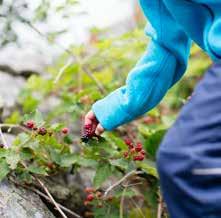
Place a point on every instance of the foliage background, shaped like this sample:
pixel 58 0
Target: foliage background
pixel 79 77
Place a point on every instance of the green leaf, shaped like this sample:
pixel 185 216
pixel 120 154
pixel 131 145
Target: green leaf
pixel 37 170
pixel 149 167
pixel 153 141
pixel 68 159
pixel 122 163
pixel 4 169
pixel 12 159
pixel 103 172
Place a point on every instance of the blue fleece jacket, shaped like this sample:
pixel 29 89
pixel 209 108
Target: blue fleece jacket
pixel 173 24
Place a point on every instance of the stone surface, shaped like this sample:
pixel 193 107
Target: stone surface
pixel 20 203
pixel 10 87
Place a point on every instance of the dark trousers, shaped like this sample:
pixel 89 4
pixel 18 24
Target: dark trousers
pixel 189 158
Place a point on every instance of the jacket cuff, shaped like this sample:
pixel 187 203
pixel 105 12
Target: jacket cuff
pixel 109 111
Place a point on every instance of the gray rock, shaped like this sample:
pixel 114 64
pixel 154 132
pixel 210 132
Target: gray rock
pixel 20 203
pixel 10 88
pixel 22 62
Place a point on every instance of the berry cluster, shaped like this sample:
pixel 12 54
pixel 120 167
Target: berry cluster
pixel 88 133
pixel 136 152
pixel 30 124
pixel 92 195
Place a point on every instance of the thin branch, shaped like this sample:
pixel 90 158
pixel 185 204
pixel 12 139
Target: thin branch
pixel 62 70
pixel 132 184
pixel 10 126
pixel 51 197
pixel 132 173
pixel 138 208
pixel 122 202
pixel 89 73
pixel 46 197
pixel 160 207
pixel 3 139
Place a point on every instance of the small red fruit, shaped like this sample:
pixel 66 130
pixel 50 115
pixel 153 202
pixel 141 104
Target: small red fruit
pixel 125 154
pixel 139 158
pixel 30 124
pixel 90 197
pixel 42 131
pixel 138 149
pixel 65 130
pixel 127 141
pixel 143 152
pixel 89 190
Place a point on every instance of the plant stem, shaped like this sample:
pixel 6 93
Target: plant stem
pixel 160 206
pixel 50 196
pixel 132 173
pixel 3 139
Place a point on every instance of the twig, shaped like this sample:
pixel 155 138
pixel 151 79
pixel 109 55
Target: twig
pixel 3 139
pixel 51 197
pixel 89 73
pixel 10 126
pixel 132 173
pixel 132 184
pixel 46 197
pixel 62 70
pixel 122 202
pixel 138 208
pixel 160 207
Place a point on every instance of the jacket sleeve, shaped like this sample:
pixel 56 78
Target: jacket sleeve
pixel 163 63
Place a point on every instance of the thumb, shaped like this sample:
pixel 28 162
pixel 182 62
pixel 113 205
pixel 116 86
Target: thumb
pixel 99 129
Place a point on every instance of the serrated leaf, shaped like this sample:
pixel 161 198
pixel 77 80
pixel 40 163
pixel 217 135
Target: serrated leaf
pixel 12 159
pixel 4 169
pixel 148 167
pixel 104 171
pixel 68 159
pixel 37 170
pixel 120 163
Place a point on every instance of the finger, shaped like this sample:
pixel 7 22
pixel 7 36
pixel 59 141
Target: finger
pixel 89 117
pixel 99 130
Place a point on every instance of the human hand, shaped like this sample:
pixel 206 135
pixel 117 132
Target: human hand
pixel 90 119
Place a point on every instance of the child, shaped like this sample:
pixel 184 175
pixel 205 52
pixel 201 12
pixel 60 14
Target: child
pixel 189 158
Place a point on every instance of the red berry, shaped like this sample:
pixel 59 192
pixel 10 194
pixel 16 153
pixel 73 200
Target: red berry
pixel 88 126
pixel 90 197
pixel 136 158
pixel 139 145
pixel 143 152
pixel 138 149
pixel 65 130
pixel 127 141
pixel 125 154
pixel 88 132
pixel 30 124
pixel 139 158
pixel 42 131
pixel 89 190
